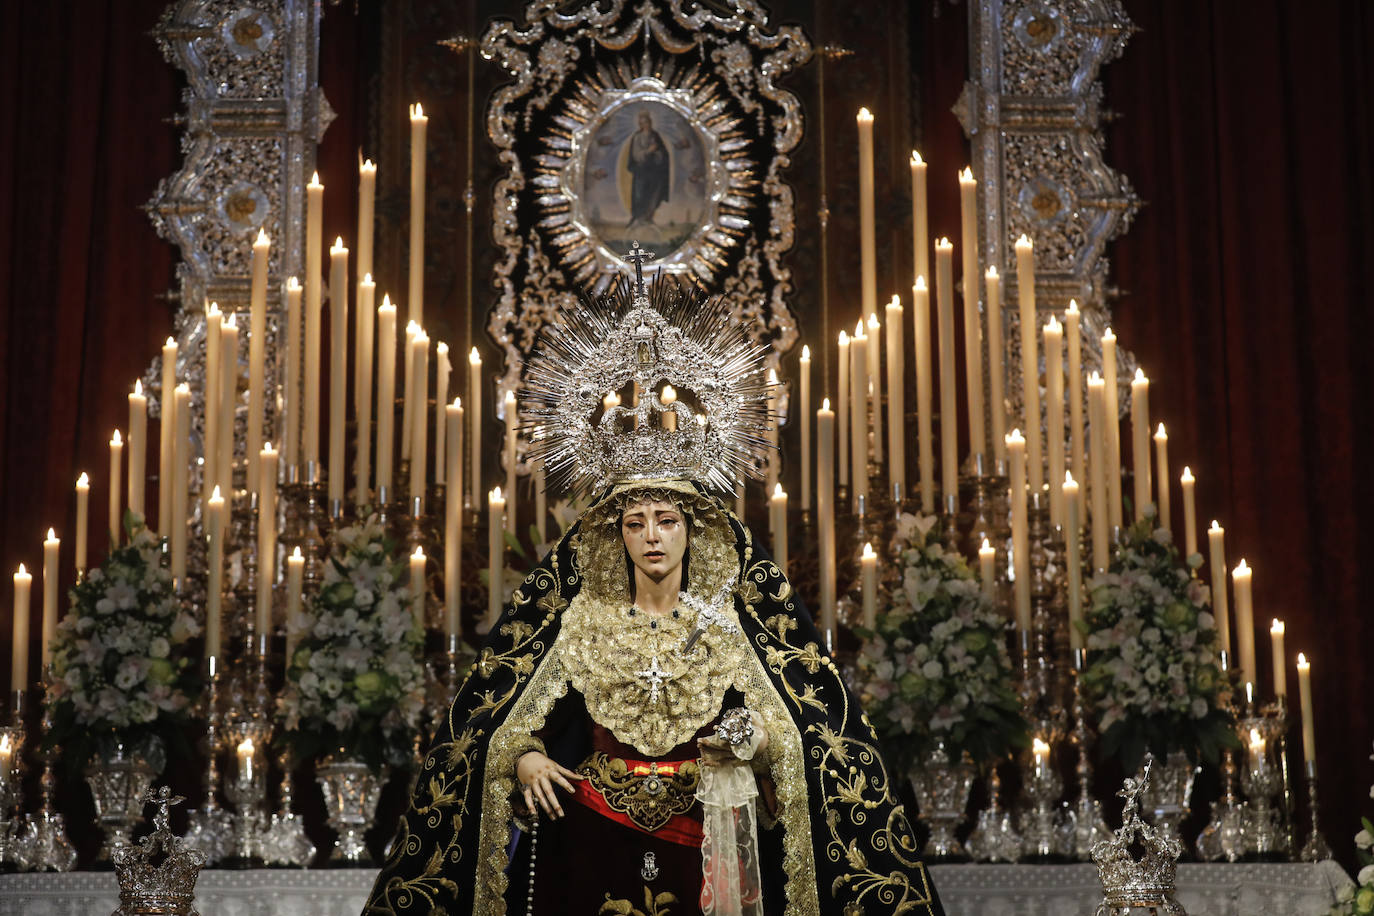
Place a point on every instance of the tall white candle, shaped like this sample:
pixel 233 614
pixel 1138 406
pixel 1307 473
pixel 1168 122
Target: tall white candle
pixel 338 367
pixel 386 396
pixel 257 354
pixel 419 444
pixel 291 384
pixel 868 257
pixel 1242 580
pixel 1020 529
pixel 417 586
pixel 408 390
pixel 1276 634
pixel 925 440
pixel 19 646
pixel 825 508
pixel 973 326
pixel 166 429
pixel 138 448
pixel 1309 731
pixel 868 562
pixel 209 472
pixel 475 425
pixel 1113 427
pixel 295 581
pixel 228 402
pixel 214 590
pixel 804 375
pixel 1073 335
pixel 419 125
pixel 949 420
pixel 52 547
pixel 365 351
pixel 314 234
pixel 1161 439
pixel 116 500
pixel 920 232
pixel 875 386
pixel 508 404
pixel 842 403
pixel 1054 416
pixel 367 201
pixel 777 507
pixel 453 522
pixel 181 483
pixel 1216 545
pixel 1073 563
pixel 858 408
pixel 496 510
pixel 997 392
pixel 267 540
pixel 987 568
pixel 1030 360
pixel 1098 460
pixel 1140 443
pixel 442 369
pixel 83 521
pixel 1189 485
pixel 896 395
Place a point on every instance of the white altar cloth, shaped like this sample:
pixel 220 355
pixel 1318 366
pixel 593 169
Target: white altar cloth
pixel 967 890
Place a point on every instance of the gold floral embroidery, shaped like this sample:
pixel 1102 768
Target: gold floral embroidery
pixel 654 905
pixel 649 799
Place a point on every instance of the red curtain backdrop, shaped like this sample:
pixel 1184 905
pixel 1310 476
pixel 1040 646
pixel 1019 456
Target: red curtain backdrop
pixel 1246 126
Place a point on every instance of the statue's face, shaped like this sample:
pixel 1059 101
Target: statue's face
pixel 655 534
pixel 645 121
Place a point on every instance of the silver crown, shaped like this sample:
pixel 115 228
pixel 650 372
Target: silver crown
pixel 686 359
pixel 1147 881
pixel 159 874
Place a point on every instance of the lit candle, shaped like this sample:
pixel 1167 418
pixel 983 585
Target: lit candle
pixel 1216 544
pixel 777 505
pixel 1054 415
pixel 475 423
pixel 925 447
pixel 419 125
pixel 842 403
pixel 1020 530
pixel 1276 631
pixel 804 375
pixel 181 483
pixel 6 754
pixel 920 234
pixel 1113 430
pixel 1030 358
pixel 973 326
pixel 1073 562
pixel 1242 580
pixel 825 507
pixel 1257 749
pixel 367 202
pixel 868 259
pixel 1189 485
pixel 116 503
pixel 453 523
pixel 1073 336
pixel 442 370
pixel 138 448
pixel 267 541
pixel 83 521
pixel 896 395
pixel 858 409
pixel 419 444
pixel 408 390
pixel 314 230
pixel 509 406
pixel 19 649
pixel 1098 459
pixel 417 586
pixel 209 473
pixel 875 386
pixel 949 421
pixel 165 429
pixel 1140 442
pixel 51 548
pixel 869 563
pixel 338 367
pixel 496 509
pixel 257 353
pixel 228 399
pixel 997 395
pixel 1162 475
pixel 295 580
pixel 1309 731
pixel 1041 750
pixel 214 591
pixel 667 399
pixel 773 421
pixel 987 567
pixel 291 385
pixel 365 353
pixel 386 396
pixel 245 753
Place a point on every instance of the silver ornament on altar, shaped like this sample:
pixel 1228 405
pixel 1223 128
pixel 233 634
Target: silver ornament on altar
pixel 350 798
pixel 158 876
pixel 118 785
pixel 942 789
pixel 641 339
pixel 1146 882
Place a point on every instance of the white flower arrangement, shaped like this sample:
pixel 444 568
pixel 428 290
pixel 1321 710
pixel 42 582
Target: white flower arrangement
pixel 935 668
pixel 1359 899
pixel 355 674
pixel 122 671
pixel 1154 676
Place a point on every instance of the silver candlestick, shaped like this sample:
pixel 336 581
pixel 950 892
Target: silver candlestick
pixel 210 827
pixel 1041 826
pixel 48 848
pixel 1316 849
pixel 995 838
pixel 12 795
pixel 1084 824
pixel 1261 781
pixel 1224 835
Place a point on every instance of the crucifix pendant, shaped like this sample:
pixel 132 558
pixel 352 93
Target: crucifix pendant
pixel 655 677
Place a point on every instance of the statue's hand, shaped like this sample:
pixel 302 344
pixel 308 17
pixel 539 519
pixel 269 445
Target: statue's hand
pixel 538 774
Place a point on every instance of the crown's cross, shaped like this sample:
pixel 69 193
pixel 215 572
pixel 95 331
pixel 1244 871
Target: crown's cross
pixel 164 799
pixel 655 677
pixel 637 257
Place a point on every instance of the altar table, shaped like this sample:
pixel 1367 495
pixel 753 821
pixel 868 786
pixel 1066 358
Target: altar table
pixel 967 890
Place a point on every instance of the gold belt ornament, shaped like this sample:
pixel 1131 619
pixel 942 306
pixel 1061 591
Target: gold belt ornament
pixel 648 794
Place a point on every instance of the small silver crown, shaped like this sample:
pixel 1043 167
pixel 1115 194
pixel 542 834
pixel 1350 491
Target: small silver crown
pixel 1147 881
pixel 702 399
pixel 158 876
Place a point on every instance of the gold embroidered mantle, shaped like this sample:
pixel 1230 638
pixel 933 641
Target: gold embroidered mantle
pixel 634 679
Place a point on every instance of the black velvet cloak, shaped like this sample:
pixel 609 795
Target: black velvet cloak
pixel 848 847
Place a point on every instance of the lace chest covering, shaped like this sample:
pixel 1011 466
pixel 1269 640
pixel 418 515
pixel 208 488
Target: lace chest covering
pixel 634 677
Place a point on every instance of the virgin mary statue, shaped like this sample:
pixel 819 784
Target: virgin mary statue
pixel 654 726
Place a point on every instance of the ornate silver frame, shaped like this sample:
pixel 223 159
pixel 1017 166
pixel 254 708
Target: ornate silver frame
pixel 733 97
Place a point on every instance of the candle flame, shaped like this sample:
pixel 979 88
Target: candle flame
pixel 246 747
pixel 1187 476
pixel 442 349
pixel 825 403
pixel 1160 433
pixel 138 388
pixel 966 174
pixel 916 158
pixel 859 329
pixel 991 273
pixel 1249 692
pixel 1241 568
pixel 184 388
pixel 873 322
pixel 1108 335
pixel 844 339
pixel 262 238
pixel 495 495
pixel 366 165
pixel 510 398
pixel 777 491
pixel 52 534
pixel 5 744
pixel 386 303
pixel 171 342
pixel 214 494
pixel 22 572
pixel 920 285
pixel 1053 326
pixel 292 284
pixel 367 279
pixel 943 244
pixel 868 552
pixel 987 545
pixel 1068 478
pixel 1073 308
pixel 83 480
pixel 1140 375
pixel 806 352
pixel 267 449
pixel 315 180
pixel 338 244
pixel 417 111
pixel 1215 526
pixel 865 115
pixel 1015 436
pixel 669 394
pixel 296 555
pixel 213 310
pixel 1302 660
pixel 1255 739
pixel 116 439
pixel 1095 378
pixel 1041 748
pixel 419 553
pixel 458 403
pixel 1024 242
pixel 474 357
pixel 1275 629
pixel 772 376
